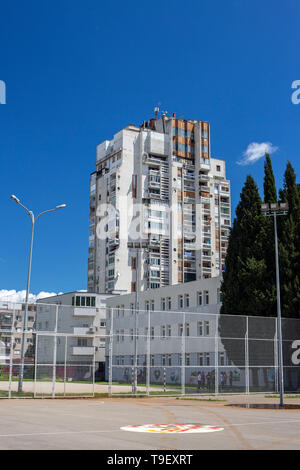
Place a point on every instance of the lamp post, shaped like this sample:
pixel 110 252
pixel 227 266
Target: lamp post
pixel 33 221
pixel 273 210
pixel 138 246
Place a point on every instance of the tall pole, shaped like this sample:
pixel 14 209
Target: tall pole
pixel 33 221
pixel 21 375
pixel 134 389
pixel 279 332
pixel 269 210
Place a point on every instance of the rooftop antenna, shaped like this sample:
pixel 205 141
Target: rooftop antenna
pixel 156 110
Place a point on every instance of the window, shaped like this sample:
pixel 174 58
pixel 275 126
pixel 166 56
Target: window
pixel 180 329
pixel 206 328
pixel 200 359
pixel 152 305
pixel 187 359
pixel 82 301
pixel 200 328
pixel 152 359
pixel 132 309
pixel 77 301
pixel 180 301
pixel 163 360
pixel 206 297
pixel 82 342
pixel 199 298
pixel 152 332
pixel 169 303
pixel 187 329
pixel 163 331
pixel 163 304
pixel 147 305
pixel 169 359
pixel 207 357
pixel 186 300
pixel 169 331
pixel 218 168
pixel 222 359
pixel 131 334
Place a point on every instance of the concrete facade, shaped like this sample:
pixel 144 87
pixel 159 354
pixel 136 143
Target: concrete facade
pixel 80 317
pixel 161 179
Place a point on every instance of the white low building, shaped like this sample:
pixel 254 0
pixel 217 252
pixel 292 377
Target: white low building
pixel 79 321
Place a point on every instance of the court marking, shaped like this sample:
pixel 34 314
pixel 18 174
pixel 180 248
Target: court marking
pixel 116 430
pixel 172 428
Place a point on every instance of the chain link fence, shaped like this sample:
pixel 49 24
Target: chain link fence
pixel 84 352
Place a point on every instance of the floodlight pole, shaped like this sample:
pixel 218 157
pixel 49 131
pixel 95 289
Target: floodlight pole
pixel 275 210
pixel 279 328
pixel 33 221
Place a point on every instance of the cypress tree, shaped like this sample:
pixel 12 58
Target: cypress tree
pixel 245 290
pixel 270 193
pixel 289 246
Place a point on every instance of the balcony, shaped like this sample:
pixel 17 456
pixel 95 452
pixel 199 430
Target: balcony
pixel 84 311
pixel 83 351
pixel 81 331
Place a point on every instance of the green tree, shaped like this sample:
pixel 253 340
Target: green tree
pixel 289 246
pixel 246 286
pixel 270 193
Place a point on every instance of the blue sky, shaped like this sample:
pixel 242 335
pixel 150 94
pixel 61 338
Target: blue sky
pixel 76 72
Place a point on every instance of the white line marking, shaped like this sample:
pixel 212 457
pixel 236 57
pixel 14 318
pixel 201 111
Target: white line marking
pixel 116 430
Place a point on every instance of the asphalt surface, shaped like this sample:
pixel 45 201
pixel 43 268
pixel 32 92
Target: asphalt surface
pixel 94 424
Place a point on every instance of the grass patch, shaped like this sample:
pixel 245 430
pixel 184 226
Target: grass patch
pixel 285 396
pixel 200 399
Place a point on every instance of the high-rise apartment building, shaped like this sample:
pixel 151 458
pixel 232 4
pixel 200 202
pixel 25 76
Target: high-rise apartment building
pixel 158 184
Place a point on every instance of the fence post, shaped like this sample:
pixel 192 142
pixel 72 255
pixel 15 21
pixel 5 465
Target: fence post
pixel 164 379
pixel 54 353
pixel 216 357
pixel 276 359
pixel 247 376
pixel 11 353
pixel 65 364
pixel 35 363
pixel 110 358
pixel 183 356
pixel 148 357
pixel 94 368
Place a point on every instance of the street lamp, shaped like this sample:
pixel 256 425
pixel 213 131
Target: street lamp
pixel 273 210
pixel 33 221
pixel 138 246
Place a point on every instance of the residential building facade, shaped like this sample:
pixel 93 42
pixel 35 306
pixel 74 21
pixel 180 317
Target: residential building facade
pixel 157 183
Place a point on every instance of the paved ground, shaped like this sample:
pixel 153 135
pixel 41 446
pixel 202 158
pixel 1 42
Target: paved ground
pixel 95 424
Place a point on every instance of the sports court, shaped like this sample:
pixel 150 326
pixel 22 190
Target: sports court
pixel 94 424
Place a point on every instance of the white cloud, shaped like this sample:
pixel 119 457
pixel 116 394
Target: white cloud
pixel 255 151
pixel 19 296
